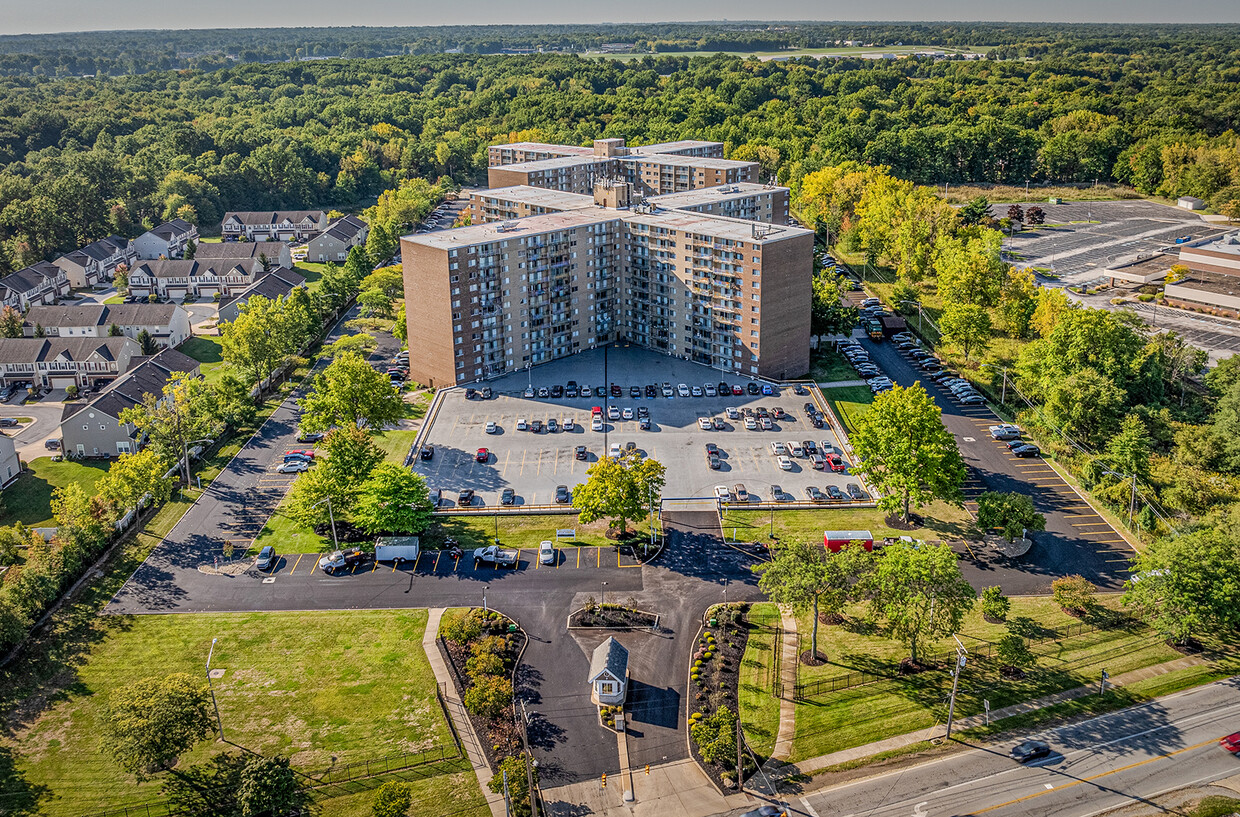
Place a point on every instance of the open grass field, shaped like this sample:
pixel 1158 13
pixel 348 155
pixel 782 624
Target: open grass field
pixel 208 352
pixel 29 499
pixel 456 794
pixel 849 403
pixel 830 721
pixel 759 708
pixel 827 366
pixel 348 684
pixel 312 272
pixel 942 521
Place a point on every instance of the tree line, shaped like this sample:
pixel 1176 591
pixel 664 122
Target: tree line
pixel 85 157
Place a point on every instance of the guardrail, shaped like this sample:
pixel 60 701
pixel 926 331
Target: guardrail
pixel 797 505
pixel 505 510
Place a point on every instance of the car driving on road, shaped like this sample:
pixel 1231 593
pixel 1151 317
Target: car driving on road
pixel 1030 750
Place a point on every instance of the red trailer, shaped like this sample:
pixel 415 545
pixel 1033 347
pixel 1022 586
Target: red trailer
pixel 833 540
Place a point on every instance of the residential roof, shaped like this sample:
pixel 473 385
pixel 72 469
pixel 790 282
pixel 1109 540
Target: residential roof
pixel 668 147
pixel 100 250
pixel 236 250
pixel 271 284
pixel 345 228
pixel 32 277
pixel 710 195
pixel 102 315
pixel 555 150
pixel 34 350
pixel 166 268
pixel 148 377
pixel 534 196
pixel 685 161
pixel 275 216
pixel 504 231
pixel 612 657
pixel 169 230
pixel 557 163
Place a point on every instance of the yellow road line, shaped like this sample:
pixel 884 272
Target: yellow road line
pixel 579 557
pixel 294 567
pixel 598 562
pixel 435 566
pixel 537 561
pixel 1079 781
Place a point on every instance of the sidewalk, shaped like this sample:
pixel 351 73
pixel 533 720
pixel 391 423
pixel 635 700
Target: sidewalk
pixel 788 659
pixel 457 712
pixel 938 730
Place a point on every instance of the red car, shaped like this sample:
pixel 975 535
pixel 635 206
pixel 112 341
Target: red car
pixel 1231 743
pixel 483 455
pixel 737 391
pixel 308 453
pixel 835 462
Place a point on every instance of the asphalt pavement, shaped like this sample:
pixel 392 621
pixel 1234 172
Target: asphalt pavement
pixel 1076 540
pixel 1219 337
pixel 1125 758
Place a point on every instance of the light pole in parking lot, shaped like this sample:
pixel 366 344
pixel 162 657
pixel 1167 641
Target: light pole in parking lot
pixel 330 518
pixel 1003 374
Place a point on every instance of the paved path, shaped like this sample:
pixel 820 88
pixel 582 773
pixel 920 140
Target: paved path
pixel 839 384
pixel 938 730
pixel 788 676
pixel 456 710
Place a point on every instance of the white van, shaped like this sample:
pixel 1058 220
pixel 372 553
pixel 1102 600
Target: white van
pixel 795 449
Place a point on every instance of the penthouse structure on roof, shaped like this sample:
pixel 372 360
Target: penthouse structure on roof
pixel 546 272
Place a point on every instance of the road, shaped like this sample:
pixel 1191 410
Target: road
pixel 1116 760
pixel 45 423
pixel 1076 540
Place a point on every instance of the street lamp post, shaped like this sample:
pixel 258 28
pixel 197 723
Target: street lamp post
pixel 218 723
pixel 185 456
pixel 918 305
pixel 330 518
pixel 962 657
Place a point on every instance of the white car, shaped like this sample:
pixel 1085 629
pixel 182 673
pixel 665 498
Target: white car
pixel 292 467
pixel 778 449
pixel 682 390
pixel 767 425
pixel 795 448
pixel 492 428
pixel 711 391
pixel 722 493
pixel 627 414
pixel 667 389
pixel 597 423
pixel 569 424
pixel 546 552
pixel 696 391
pixel 704 423
pixel 733 413
pixel 785 464
pixel 614 453
pixel 751 423
pixel 522 425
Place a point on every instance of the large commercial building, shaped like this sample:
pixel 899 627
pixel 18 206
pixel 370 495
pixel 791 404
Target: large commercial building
pixel 1213 282
pixel 546 273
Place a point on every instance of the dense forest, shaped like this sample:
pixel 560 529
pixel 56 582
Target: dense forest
pixel 135 52
pixel 83 157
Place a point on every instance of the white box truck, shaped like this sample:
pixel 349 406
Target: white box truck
pixel 396 549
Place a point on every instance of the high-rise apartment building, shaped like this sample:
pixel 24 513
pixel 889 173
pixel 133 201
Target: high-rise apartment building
pixel 544 273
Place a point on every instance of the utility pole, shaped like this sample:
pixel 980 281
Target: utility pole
pixel 331 518
pixel 1102 685
pixel 962 657
pixel 529 765
pixel 218 723
pixel 740 762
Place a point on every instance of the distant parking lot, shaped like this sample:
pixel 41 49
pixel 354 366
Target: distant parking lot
pixel 534 463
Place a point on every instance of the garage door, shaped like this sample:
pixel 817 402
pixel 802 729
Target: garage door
pixel 63 382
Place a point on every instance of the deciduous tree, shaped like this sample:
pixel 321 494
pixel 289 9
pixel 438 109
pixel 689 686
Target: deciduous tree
pixel 903 450
pixel 181 414
pixel 919 592
pixel 967 326
pixel 392 500
pixel 1188 584
pixel 268 787
pixel 153 721
pixel 133 476
pixel 350 393
pixel 1012 513
pixel 619 490
pixel 11 322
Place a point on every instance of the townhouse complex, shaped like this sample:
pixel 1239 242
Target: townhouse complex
pixel 701 267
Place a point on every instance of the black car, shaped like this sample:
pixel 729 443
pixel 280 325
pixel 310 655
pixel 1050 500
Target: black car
pixel 854 490
pixel 635 391
pixel 487 394
pixel 651 390
pixel 571 391
pixel 810 408
pixel 799 389
pixel 1029 450
pixel 835 494
pixel 507 496
pixel 712 449
pixel 810 446
pixel 561 494
pixel 557 391
pixel 642 411
pixel 724 389
pixel 581 452
pixel 1030 750
pixel 753 388
pixel 465 497
pixel 815 420
pixel 313 437
pixel 600 391
pixel 536 426
pixel 616 391
pixel 1016 443
pixel 428 452
pixel 714 462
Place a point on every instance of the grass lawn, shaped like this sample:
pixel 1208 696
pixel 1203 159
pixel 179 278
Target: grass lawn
pixel 849 403
pixel 29 499
pixel 353 684
pixel 759 708
pixel 312 272
pixel 115 299
pixel 455 793
pixel 829 722
pixel 395 443
pixel 528 531
pixel 208 352
pixel 827 365
pixel 942 521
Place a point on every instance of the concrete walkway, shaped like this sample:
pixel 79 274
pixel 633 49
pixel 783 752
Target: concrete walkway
pixel 839 384
pixel 938 730
pixel 457 711
pixel 788 678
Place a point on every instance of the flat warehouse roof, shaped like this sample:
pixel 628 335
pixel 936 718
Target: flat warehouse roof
pixel 709 195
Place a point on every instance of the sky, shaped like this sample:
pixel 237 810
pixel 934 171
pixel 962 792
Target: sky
pixel 42 16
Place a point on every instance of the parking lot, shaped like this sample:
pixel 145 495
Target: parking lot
pixel 534 463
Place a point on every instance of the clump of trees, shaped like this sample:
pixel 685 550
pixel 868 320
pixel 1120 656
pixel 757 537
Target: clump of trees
pixel 619 489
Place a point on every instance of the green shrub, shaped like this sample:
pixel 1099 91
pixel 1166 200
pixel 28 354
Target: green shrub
pixel 461 629
pixel 1075 594
pixel 1144 298
pixel 489 696
pixel 482 664
pixel 716 738
pixel 1012 652
pixel 995 605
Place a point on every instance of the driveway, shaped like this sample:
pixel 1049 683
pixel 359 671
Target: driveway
pixel 30 437
pixel 1076 539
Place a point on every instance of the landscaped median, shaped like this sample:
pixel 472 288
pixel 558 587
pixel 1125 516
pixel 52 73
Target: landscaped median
pixel 941 521
pixel 862 693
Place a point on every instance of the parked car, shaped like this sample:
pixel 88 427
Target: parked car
pixel 722 493
pixel 814 495
pixel 627 413
pixel 553 425
pixel 751 424
pixel 835 494
pixel 465 498
pixel 507 496
pixel 785 464
pixel 341 559
pixel 613 413
pixel 487 393
pixel 546 553
pixel 492 428
pixel 427 452
pixel 483 455
pixel 528 393
pixel 557 391
pixel 651 390
pixel 777 493
pixel 52 444
pixel 723 389
pixel 667 390
pixel 717 423
pixel 644 423
pixel 753 388
pixel 561 494
pixel 310 437
pixel 266 558
pixel 704 423
pixel 536 426
pixel 1028 450
pixel 854 491
pixel 522 425
pixel 835 462
pixel 570 424
pixel 682 390
pixel 581 453
pixel 293 466
pixel 738 490
pixel 737 391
